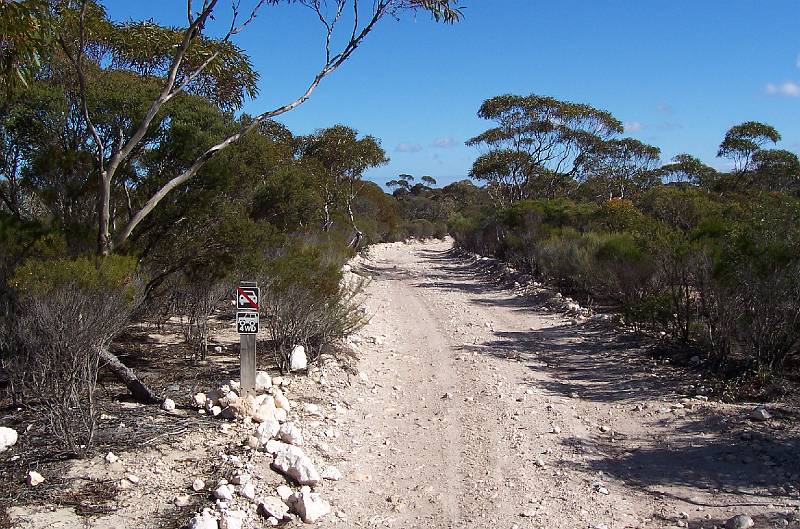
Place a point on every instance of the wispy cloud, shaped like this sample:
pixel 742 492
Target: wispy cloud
pixel 444 143
pixel 788 89
pixel 797 61
pixel 408 147
pixel 664 108
pixel 670 125
pixel 633 126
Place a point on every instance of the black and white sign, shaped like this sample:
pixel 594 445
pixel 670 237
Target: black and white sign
pixel 247 322
pixel 248 298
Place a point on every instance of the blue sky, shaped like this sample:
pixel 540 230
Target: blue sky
pixel 679 73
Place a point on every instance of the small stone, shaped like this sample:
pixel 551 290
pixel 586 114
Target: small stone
pixel 182 501
pixel 133 478
pixel 223 492
pixel 294 463
pixel 248 491
pixel 740 521
pixel 232 520
pixel 310 506
pixel 284 492
pixel 168 405
pixel 198 485
pixel 290 433
pixel 204 520
pixel 111 458
pixel 240 479
pixel 263 381
pixel 331 474
pixel 34 478
pixel 273 507
pixel 605 429
pixel 298 359
pixel 8 438
pixel 200 399
pixel 760 414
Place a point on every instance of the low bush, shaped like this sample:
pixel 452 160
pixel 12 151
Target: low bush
pixel 67 312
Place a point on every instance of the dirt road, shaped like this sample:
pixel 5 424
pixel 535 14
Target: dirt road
pixel 476 406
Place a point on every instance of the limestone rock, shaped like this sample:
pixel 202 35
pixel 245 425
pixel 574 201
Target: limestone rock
pixel 310 506
pixel 198 485
pixel 168 405
pixel 232 520
pixel 34 478
pixel 111 458
pixel 294 463
pixel 298 359
pixel 284 492
pixel 203 520
pixel 273 507
pixel 331 474
pixel 263 381
pixel 248 491
pixel 223 492
pixel 290 433
pixel 8 438
pixel 182 501
pixel 200 399
pixel 268 430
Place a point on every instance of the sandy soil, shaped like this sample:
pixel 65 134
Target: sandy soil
pixel 475 406
pixel 483 408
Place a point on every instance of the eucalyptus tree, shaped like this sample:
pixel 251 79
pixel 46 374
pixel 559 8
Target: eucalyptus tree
pixel 743 141
pixel 186 59
pixel 689 169
pixel 538 146
pixel 621 168
pixel 343 158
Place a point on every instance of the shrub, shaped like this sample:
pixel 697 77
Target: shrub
pixel 307 304
pixel 67 312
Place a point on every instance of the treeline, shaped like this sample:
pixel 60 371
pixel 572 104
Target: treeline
pixel 110 216
pixel 708 259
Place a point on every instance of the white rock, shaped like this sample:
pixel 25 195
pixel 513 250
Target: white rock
pixel 294 463
pixel 240 479
pixel 181 501
pixel 331 474
pixel 277 381
pixel 298 359
pixel 248 491
pixel 168 405
pixel 232 520
pixel 281 414
pixel 223 492
pixel 200 399
pixel 111 458
pixel 760 414
pixel 281 401
pixel 274 446
pixel 198 485
pixel 34 478
pixel 290 433
pixel 216 411
pixel 284 492
pixel 133 478
pixel 8 438
pixel 203 520
pixel 346 269
pixel 263 381
pixel 310 506
pixel 274 507
pixel 267 430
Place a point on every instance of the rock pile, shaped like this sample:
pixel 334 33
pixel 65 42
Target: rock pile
pixel 240 496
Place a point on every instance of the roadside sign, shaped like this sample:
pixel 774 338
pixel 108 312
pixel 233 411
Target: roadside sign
pixel 247 322
pixel 248 298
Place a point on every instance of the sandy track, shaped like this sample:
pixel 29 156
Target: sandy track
pixel 481 408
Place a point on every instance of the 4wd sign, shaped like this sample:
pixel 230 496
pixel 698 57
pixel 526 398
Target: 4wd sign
pixel 248 298
pixel 247 322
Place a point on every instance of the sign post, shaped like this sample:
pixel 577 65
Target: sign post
pixel 248 298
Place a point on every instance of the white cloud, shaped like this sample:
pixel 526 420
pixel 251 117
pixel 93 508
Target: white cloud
pixel 633 126
pixel 408 147
pixel 444 143
pixel 797 61
pixel 788 89
pixel 664 108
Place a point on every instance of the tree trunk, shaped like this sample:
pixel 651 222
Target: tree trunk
pixel 140 391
